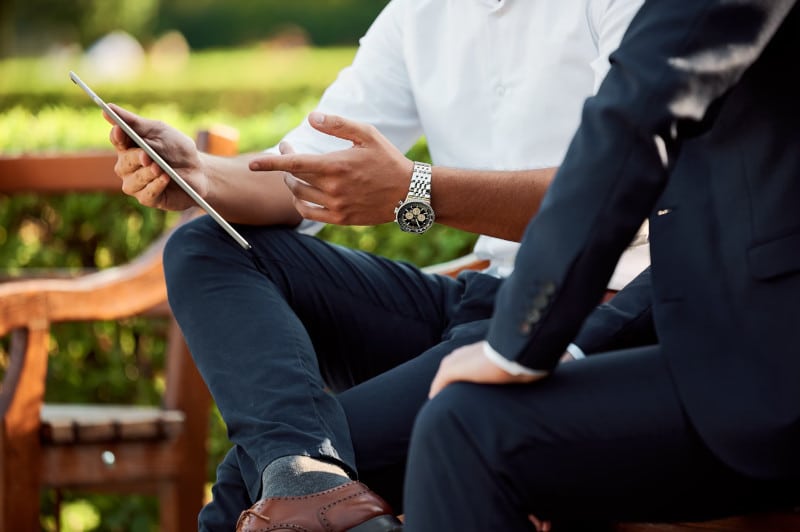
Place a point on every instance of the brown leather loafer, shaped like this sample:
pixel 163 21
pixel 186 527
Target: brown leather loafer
pixel 350 507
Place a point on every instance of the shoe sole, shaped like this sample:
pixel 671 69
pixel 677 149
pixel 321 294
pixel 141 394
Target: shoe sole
pixel 382 523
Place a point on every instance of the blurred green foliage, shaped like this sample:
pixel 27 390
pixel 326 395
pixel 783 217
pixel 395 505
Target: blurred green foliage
pixel 124 362
pixel 44 22
pixel 325 22
pixel 241 82
pixel 29 26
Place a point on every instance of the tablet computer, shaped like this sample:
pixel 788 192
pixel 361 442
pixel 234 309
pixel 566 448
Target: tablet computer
pixel 161 162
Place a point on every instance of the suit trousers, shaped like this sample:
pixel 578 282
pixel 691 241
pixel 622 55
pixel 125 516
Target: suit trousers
pixel 602 439
pixel 313 349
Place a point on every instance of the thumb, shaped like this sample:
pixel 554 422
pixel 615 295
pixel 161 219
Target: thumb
pixel 337 126
pixel 139 124
pixel 129 117
pixel 118 137
pixel 285 148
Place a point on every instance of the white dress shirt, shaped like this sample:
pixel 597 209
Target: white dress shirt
pixel 490 84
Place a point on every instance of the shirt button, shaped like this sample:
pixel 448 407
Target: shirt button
pixel 500 90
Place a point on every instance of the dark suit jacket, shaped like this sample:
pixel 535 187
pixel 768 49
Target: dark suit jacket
pixel 698 127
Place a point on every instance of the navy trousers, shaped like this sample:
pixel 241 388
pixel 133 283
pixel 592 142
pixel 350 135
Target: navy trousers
pixel 600 440
pixel 313 349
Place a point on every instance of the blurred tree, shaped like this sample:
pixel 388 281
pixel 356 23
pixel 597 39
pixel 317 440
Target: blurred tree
pixel 137 17
pixel 34 25
pixel 6 28
pixel 213 23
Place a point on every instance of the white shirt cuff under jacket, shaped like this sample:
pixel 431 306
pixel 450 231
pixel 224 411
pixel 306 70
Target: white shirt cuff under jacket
pixel 509 366
pixel 576 352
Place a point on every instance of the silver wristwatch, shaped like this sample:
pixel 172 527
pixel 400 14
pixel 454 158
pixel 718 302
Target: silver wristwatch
pixel 415 214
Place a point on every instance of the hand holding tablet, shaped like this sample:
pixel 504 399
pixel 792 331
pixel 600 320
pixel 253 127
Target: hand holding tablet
pixel 136 138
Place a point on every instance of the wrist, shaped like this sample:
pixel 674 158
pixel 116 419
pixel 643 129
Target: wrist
pixel 415 214
pixel 509 366
pixel 404 183
pixel 203 176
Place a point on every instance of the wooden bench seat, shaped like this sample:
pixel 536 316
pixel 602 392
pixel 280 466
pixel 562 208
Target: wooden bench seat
pixel 64 424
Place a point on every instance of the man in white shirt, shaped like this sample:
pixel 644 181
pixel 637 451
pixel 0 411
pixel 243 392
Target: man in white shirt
pixel 496 87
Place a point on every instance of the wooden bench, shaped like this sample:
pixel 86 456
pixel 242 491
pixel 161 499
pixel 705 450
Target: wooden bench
pixel 104 448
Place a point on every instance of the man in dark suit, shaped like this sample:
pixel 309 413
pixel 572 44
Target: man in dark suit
pixel 693 409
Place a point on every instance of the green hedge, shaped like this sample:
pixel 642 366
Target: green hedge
pixel 240 82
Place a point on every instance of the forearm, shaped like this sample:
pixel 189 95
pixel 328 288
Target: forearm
pixel 243 196
pixel 488 202
pixel 363 184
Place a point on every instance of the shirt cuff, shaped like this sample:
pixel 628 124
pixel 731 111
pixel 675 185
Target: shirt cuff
pixel 509 366
pixel 576 352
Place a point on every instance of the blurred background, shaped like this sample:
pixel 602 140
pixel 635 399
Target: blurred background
pixel 258 66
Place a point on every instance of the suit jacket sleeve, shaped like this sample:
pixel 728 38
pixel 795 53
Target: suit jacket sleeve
pixel 676 60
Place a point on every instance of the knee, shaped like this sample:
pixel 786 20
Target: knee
pixel 188 242
pixel 201 254
pixel 444 420
pixel 195 254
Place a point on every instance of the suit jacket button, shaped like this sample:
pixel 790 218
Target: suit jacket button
pixel 540 301
pixel 534 316
pixel 549 288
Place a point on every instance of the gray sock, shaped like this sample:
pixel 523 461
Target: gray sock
pixel 300 475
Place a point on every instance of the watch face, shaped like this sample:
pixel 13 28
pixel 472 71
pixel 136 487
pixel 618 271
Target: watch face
pixel 415 216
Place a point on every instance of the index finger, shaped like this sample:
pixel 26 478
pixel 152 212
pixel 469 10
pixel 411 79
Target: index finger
pixel 294 163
